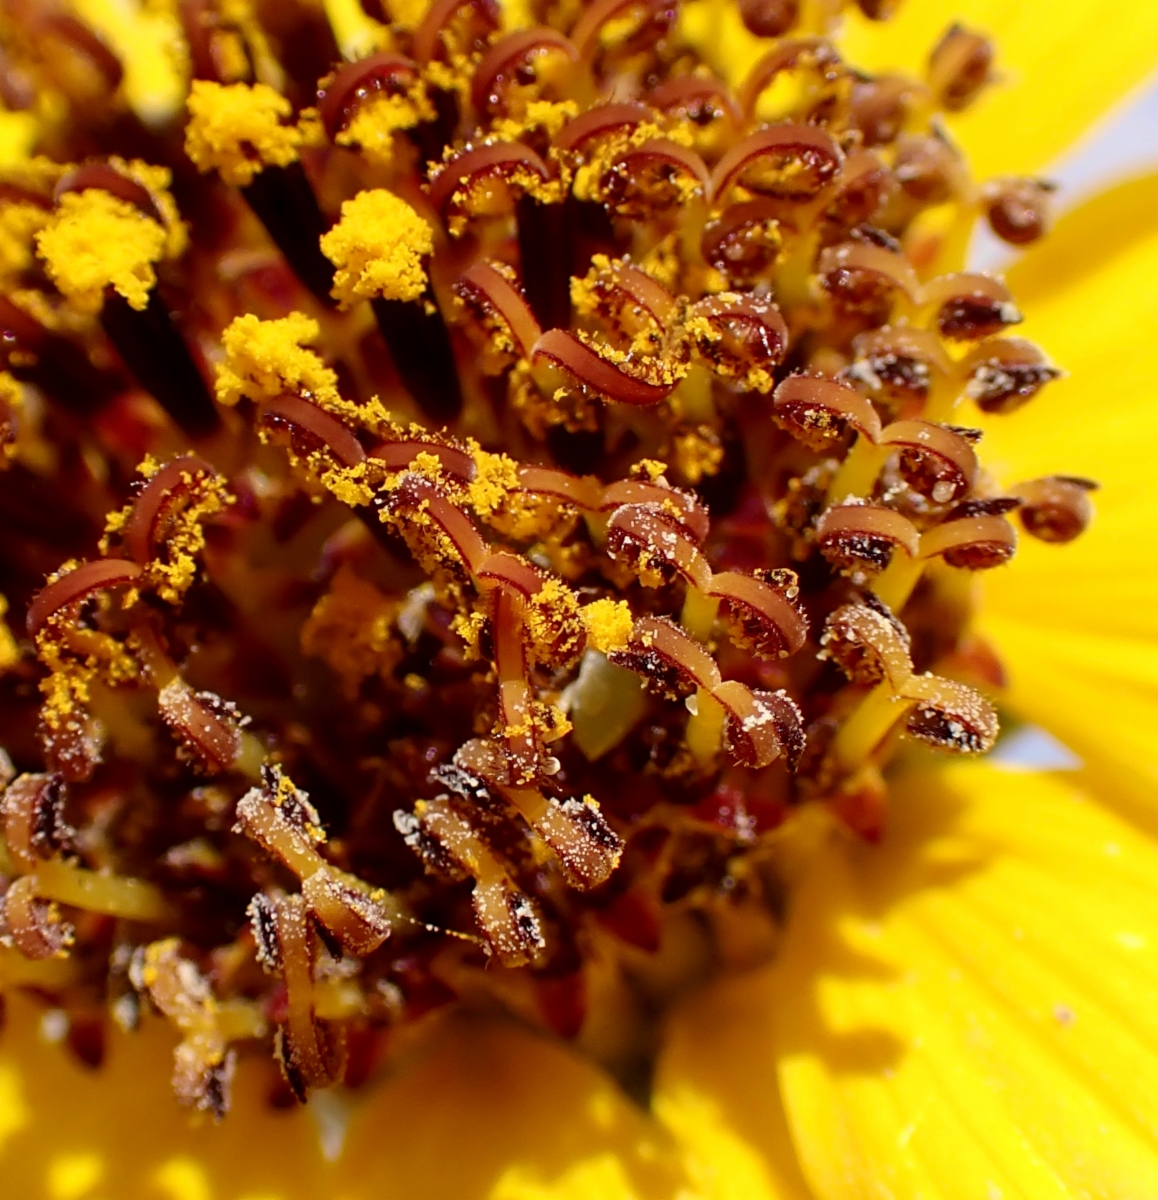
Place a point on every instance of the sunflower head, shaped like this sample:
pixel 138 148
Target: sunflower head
pixel 564 491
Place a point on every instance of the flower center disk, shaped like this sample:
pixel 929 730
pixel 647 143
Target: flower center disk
pixel 562 489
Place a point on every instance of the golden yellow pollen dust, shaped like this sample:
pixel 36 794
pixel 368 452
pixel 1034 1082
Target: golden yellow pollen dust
pixel 608 623
pixel 94 241
pixel 372 128
pixel 236 129
pixel 265 358
pixel 378 247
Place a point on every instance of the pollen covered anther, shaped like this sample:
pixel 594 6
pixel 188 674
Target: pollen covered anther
pixel 1056 508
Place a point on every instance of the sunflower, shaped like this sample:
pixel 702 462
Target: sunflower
pixel 421 553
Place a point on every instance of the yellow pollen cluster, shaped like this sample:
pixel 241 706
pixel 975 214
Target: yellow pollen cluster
pixel 263 359
pixel 609 623
pixel 94 241
pixel 554 630
pixel 172 572
pixel 378 247
pixel 378 118
pixel 351 630
pixel 540 115
pixel 236 129
pixel 496 477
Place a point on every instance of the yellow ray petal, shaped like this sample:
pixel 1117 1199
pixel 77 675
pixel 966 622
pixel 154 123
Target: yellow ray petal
pixel 1062 66
pixel 1099 694
pixel 1090 296
pixel 967 1010
pixel 67 1132
pixel 478 1109
pixel 715 1088
pixel 1077 625
pixel 946 1017
pixel 494 1111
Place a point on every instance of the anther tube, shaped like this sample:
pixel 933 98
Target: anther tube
pixel 157 355
pixel 284 202
pixel 545 244
pixel 419 343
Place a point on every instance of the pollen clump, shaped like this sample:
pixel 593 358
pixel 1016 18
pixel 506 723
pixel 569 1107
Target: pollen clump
pixel 265 358
pixel 378 246
pixel 378 119
pixel 608 623
pixel 237 130
pixel 94 241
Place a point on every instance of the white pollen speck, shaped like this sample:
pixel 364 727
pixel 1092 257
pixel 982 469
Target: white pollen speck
pixel 993 1192
pixel 1130 941
pixel 54 1026
pixel 1111 849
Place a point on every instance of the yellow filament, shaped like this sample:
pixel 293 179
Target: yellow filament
pixel 869 725
pixel 859 471
pixel 112 895
pixel 357 34
pixel 945 393
pixel 894 585
pixel 16 970
pixel 699 613
pixel 705 728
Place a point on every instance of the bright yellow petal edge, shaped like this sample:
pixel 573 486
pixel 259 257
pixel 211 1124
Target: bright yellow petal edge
pixel 967 1010
pixel 478 1108
pixel 1060 67
pixel 1077 626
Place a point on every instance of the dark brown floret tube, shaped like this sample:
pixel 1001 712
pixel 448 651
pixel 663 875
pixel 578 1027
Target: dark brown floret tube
pixel 284 202
pixel 545 245
pixel 419 343
pixel 160 360
pixel 59 366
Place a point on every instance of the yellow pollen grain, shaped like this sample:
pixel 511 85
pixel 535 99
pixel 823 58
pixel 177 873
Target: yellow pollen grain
pixel 609 624
pixel 94 241
pixel 541 115
pixel 236 129
pixel 553 631
pixel 378 118
pixel 263 359
pixel 496 477
pixel 378 247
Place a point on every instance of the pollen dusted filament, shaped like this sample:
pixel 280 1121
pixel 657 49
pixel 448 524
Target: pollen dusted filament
pixel 535 465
